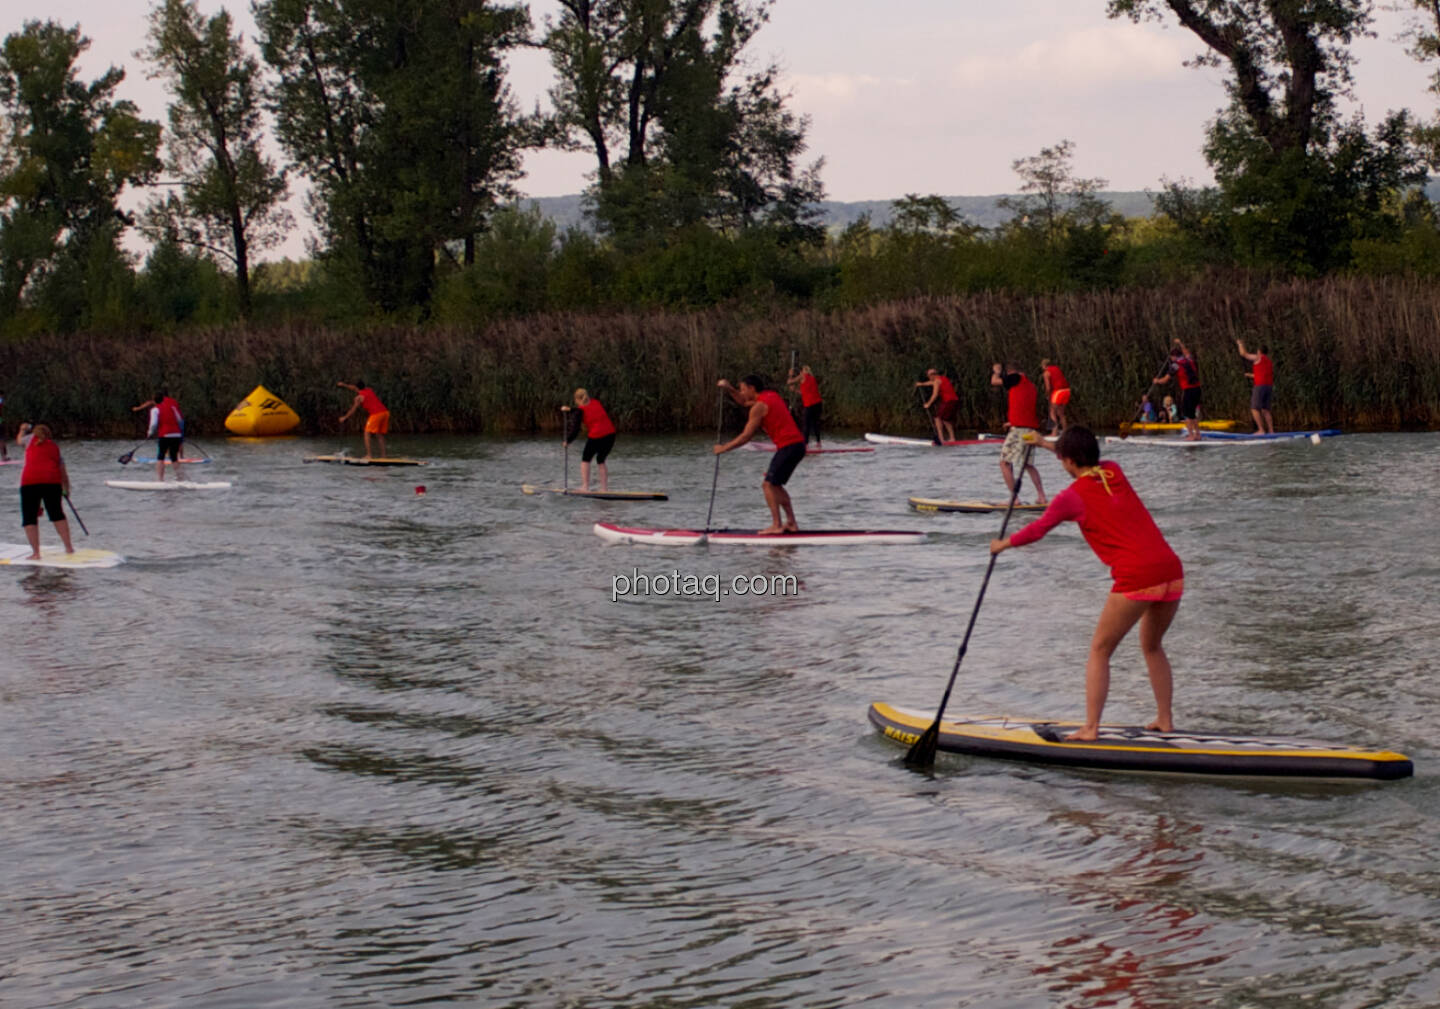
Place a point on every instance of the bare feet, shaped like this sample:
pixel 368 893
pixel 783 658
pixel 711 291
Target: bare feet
pixel 1040 500
pixel 1085 735
pixel 1159 726
pixel 791 527
pixel 33 557
pixel 771 531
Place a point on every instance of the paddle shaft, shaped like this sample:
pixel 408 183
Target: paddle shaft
pixel 929 419
pixel 1140 412
pixel 715 480
pixel 923 752
pixel 77 515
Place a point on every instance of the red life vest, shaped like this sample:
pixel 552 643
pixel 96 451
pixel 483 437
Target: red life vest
pixel 947 391
pixel 777 423
pixel 42 463
pixel 597 421
pixel 1264 371
pixel 371 402
pixel 167 421
pixel 1023 395
pixel 809 390
pixel 1119 529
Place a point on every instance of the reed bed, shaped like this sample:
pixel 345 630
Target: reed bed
pixel 1359 352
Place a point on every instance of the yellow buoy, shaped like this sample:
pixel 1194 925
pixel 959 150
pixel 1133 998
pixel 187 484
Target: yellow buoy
pixel 261 413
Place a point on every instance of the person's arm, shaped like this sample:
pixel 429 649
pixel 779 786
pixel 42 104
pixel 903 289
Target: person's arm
pixel 145 405
pixel 571 425
pixel 154 422
pixel 793 380
pixel 724 383
pixel 996 378
pixel 757 415
pixel 353 406
pixel 22 434
pixel 1243 353
pixel 1065 507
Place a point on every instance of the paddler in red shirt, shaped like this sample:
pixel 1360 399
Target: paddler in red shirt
pixel 943 389
pixel 810 400
pixel 1148 576
pixel 1186 372
pixel 1022 419
pixel 1057 393
pixel 599 437
pixel 167 426
pixel 769 413
pixel 1263 375
pixel 43 480
pixel 377 421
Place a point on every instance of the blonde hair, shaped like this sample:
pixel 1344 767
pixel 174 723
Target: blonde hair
pixel 805 370
pixel 1044 362
pixel 42 431
pixel 581 397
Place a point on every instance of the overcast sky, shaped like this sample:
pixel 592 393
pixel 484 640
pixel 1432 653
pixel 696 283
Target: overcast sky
pixel 924 96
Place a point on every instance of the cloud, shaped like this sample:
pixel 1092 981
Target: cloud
pixel 1088 58
pixel 841 87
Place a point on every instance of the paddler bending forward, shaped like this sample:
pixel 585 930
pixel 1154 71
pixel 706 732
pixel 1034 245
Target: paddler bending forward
pixel 599 437
pixel 1149 578
pixel 769 413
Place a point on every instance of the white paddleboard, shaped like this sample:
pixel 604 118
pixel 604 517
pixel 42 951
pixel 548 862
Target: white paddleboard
pixel 56 557
pixel 167 485
pixel 612 533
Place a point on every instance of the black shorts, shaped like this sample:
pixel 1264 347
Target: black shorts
pixel 812 421
pixel 1260 397
pixel 32 495
pixel 948 410
pixel 171 445
pixel 1190 403
pixel 783 463
pixel 598 448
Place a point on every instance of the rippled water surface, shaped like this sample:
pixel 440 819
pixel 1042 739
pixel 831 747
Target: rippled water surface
pixel 323 741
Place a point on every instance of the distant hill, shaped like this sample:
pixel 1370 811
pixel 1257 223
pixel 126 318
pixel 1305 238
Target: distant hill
pixel 568 212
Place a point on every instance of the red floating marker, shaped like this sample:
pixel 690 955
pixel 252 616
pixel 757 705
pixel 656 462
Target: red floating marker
pixel 420 489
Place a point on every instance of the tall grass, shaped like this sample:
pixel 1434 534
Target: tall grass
pixel 1360 352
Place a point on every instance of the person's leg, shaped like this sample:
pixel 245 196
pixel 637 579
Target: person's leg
pixel 782 498
pixel 367 443
pixel 1116 619
pixel 604 477
pixel 1035 477
pixel 1153 626
pixel 585 474
pixel 1008 472
pixel 32 536
pixel 1060 409
pixel 62 526
pixel 1269 421
pixel 176 452
pixel 772 500
pixel 1259 420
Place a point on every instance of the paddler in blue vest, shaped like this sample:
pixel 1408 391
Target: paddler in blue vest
pixel 769 413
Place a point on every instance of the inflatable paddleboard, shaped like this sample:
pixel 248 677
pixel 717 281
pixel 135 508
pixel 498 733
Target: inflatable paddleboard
pixel 167 485
pixel 56 557
pixel 612 533
pixel 1131 748
pixel 930 504
pixel 1329 432
pixel 1181 443
pixel 602 495
pixel 1205 425
pixel 766 446
pixel 168 462
pixel 892 439
pixel 360 460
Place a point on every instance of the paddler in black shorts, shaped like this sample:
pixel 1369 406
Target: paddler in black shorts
pixel 769 413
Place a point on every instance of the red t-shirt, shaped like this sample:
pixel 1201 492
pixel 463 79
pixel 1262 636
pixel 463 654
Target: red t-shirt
pixel 809 390
pixel 167 419
pixel 42 464
pixel 1264 371
pixel 777 423
pixel 1187 372
pixel 371 402
pixel 1057 377
pixel 597 421
pixel 1023 395
pixel 947 391
pixel 1116 524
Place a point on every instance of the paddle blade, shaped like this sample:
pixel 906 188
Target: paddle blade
pixel 124 460
pixel 922 751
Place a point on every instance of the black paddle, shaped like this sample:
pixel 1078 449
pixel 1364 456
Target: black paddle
pixel 77 515
pixel 124 460
pixel 922 753
pixel 715 480
pixel 929 420
pixel 1140 412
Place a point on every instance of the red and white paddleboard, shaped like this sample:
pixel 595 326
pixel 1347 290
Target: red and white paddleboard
pixel 612 533
pixel 893 439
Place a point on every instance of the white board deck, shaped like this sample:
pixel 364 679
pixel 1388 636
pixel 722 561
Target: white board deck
pixel 56 557
pixel 612 533
pixel 169 485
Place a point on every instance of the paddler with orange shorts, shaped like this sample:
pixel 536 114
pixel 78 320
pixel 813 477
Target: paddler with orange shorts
pixel 1057 393
pixel 769 413
pixel 378 421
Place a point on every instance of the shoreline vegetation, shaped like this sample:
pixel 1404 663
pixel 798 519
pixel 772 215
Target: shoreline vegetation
pixel 1362 353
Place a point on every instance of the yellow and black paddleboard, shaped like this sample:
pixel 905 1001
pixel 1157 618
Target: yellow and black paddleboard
pixel 601 495
pixel 1132 748
pixel 360 460
pixel 1166 425
pixel 930 504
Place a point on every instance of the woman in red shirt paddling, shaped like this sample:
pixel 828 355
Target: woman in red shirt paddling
pixel 810 401
pixel 599 437
pixel 377 421
pixel 1263 375
pixel 769 413
pixel 1148 577
pixel 1057 393
pixel 43 480
pixel 943 389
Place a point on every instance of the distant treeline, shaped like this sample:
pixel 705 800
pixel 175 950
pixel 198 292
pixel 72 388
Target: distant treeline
pixel 1359 352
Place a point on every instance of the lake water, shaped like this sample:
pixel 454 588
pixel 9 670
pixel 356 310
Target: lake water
pixel 324 741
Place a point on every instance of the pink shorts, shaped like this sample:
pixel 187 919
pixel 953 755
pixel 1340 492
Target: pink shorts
pixel 1165 592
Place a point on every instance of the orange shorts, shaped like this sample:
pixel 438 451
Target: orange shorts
pixel 378 423
pixel 1060 397
pixel 1165 592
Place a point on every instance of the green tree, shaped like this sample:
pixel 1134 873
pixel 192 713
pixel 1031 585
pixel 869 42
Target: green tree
pixel 231 195
pixel 69 149
pixel 399 114
pixel 1297 184
pixel 1055 199
pixel 681 135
